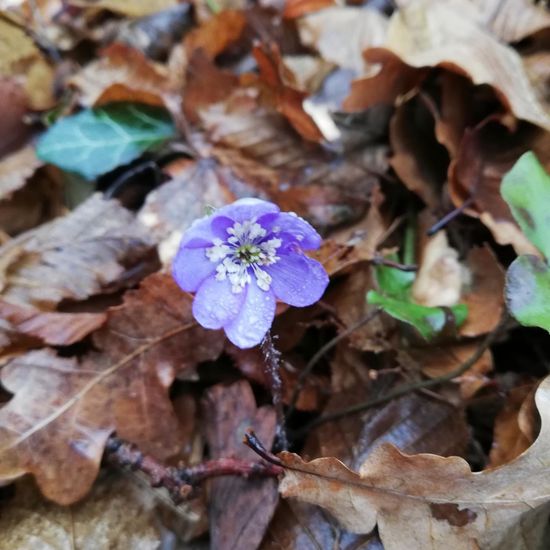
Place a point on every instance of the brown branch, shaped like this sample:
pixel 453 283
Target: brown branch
pixel 414 386
pixel 181 483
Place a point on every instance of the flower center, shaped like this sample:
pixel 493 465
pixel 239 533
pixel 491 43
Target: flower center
pixel 243 254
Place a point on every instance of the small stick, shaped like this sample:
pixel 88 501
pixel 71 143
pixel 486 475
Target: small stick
pixel 181 482
pixel 251 440
pixel 380 260
pixel 449 217
pixel 319 355
pixel 272 365
pixel 414 386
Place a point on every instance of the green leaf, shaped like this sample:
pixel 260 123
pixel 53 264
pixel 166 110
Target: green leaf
pixel 429 321
pixel 96 141
pixel 528 291
pixel 526 189
pixel 394 282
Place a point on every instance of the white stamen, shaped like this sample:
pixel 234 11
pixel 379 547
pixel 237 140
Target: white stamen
pixel 242 254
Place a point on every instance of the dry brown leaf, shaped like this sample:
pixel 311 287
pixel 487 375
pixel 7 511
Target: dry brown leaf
pixel 16 169
pixel 64 409
pixel 216 34
pixel 169 210
pixel 286 96
pixel 508 20
pixel 483 293
pixel 427 501
pixel 240 509
pixel 117 514
pixel 130 8
pixel 340 34
pixel 298 8
pixel 93 249
pixel 13 107
pixel 440 360
pixel 52 328
pixel 515 426
pixel 122 73
pixel 430 34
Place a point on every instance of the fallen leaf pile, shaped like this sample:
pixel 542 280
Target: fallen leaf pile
pixel 415 136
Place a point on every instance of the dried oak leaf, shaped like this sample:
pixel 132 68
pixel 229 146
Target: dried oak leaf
pixel 240 509
pixel 16 169
pixel 63 409
pixel 415 422
pixel 424 500
pixel 98 247
pixel 122 73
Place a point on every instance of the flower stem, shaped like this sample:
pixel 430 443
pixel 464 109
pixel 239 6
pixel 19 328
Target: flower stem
pixel 272 369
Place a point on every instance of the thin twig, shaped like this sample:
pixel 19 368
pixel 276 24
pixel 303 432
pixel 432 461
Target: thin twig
pixel 408 388
pixel 449 217
pixel 182 482
pixel 319 355
pixel 380 260
pixel 272 366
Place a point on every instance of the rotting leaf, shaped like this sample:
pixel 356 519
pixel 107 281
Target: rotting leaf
pixel 64 409
pixel 397 492
pixel 96 141
pixel 96 248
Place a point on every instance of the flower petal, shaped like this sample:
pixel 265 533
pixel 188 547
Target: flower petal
pixel 199 234
pixel 191 267
pixel 293 227
pixel 246 209
pixel 215 304
pixel 297 280
pixel 254 318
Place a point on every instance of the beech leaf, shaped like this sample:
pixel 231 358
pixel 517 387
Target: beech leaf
pixel 96 141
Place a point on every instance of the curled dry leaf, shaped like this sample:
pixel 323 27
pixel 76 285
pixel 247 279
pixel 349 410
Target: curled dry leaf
pixel 98 247
pixel 515 426
pixel 130 8
pixel 63 409
pixel 288 100
pixel 122 73
pixel 240 509
pixel 420 501
pixel 439 279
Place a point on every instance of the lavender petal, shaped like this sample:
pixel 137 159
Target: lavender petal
pixel 254 319
pixel 215 304
pixel 298 280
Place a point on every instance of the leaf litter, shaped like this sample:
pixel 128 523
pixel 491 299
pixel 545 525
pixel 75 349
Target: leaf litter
pixel 413 136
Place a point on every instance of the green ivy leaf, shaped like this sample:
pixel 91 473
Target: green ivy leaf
pixel 429 321
pixel 526 190
pixel 96 141
pixel 528 291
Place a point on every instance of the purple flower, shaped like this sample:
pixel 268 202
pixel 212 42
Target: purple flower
pixel 243 258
